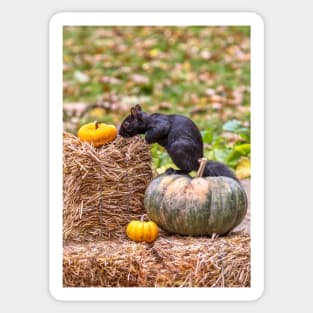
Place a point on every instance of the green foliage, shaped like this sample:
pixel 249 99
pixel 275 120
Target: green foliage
pixel 236 127
pixel 218 148
pixel 237 152
pixel 160 159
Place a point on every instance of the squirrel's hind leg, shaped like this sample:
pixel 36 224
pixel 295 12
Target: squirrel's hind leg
pixel 185 155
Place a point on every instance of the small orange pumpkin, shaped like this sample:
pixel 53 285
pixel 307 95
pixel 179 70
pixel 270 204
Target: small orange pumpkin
pixel 97 133
pixel 142 231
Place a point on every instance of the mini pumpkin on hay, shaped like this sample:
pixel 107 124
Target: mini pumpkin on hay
pixel 97 133
pixel 183 205
pixel 142 231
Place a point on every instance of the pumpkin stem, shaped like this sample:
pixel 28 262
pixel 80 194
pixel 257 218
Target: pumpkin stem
pixel 203 162
pixel 142 218
pixel 97 124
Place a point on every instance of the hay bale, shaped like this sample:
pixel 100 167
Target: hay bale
pixel 103 188
pixel 171 261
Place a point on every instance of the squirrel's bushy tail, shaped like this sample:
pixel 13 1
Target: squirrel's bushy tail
pixel 214 168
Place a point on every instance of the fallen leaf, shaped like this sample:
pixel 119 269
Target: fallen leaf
pixel 205 54
pixel 154 52
pixel 110 80
pixel 243 168
pixel 140 79
pixel 216 105
pixel 81 77
pixel 75 107
pixel 97 113
pixel 164 106
pixel 210 92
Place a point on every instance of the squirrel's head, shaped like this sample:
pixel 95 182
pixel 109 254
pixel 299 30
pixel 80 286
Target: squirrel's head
pixel 134 123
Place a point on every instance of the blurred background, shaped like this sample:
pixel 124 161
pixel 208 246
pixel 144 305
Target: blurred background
pixel 200 72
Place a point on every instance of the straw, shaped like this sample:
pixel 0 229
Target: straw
pixel 103 188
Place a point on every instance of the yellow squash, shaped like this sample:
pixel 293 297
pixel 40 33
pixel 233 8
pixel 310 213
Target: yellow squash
pixel 97 133
pixel 142 231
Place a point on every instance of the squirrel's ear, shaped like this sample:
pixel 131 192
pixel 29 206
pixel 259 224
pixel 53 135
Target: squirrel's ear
pixel 133 112
pixel 138 107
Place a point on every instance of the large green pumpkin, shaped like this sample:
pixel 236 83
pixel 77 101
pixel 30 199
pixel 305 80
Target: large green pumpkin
pixel 184 205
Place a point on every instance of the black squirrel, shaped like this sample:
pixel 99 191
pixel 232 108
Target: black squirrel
pixel 178 135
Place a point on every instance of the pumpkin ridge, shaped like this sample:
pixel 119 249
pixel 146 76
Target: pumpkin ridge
pixel 209 203
pixel 241 213
pixel 184 208
pixel 141 230
pixel 196 198
pixel 233 203
pixel 149 232
pixel 230 215
pixel 156 212
pixel 166 206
